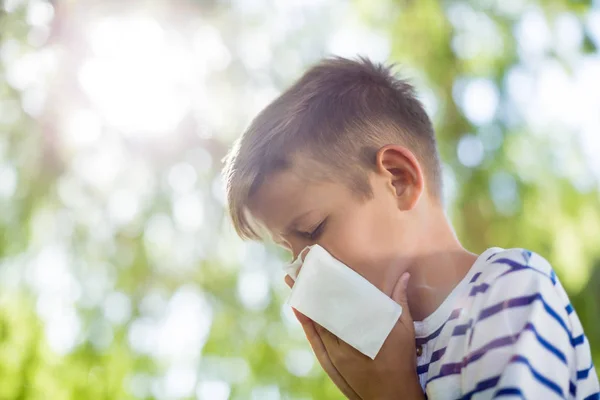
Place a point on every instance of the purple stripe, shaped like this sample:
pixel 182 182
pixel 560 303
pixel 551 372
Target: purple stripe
pixel 514 267
pixel 446 370
pixel 437 354
pixel 511 303
pixel 454 315
pixel 421 369
pixel 510 263
pixel 517 266
pixel 512 391
pixel 494 344
pixel 525 301
pixel 481 288
pixel 455 368
pixel 422 341
pixel 475 277
pixel 434 357
pixel 492 382
pixel 471 336
pixel 481 386
pixel 462 329
pixel 507 340
pixel 450 369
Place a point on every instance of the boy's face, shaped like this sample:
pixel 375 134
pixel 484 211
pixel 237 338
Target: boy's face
pixel 370 236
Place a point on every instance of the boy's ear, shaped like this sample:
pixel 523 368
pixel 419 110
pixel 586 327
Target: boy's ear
pixel 403 174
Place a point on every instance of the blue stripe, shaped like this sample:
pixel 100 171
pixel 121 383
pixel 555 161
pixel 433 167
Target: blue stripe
pixel 446 370
pixel 525 301
pixel 462 329
pixel 488 259
pixel 578 340
pixel 494 344
pixel 471 336
pixel 514 267
pixel 437 354
pixel 421 369
pixel 503 305
pixel 509 392
pixel 572 389
pixel 475 277
pixel 584 373
pixel 526 255
pixel 422 341
pixel 481 386
pixel 569 308
pixel 455 368
pixel 481 288
pixel 517 266
pixel 546 344
pixel 454 315
pixel 539 377
pixel 595 396
pixel 507 340
pixel 491 382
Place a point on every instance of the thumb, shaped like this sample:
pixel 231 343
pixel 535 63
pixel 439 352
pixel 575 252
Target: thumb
pixel 399 293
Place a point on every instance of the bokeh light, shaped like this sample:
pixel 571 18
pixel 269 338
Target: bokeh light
pixel 139 77
pixel 120 273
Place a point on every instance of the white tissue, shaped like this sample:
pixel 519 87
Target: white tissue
pixel 294 268
pixel 342 301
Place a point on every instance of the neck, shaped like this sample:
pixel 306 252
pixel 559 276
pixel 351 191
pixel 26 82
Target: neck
pixel 436 270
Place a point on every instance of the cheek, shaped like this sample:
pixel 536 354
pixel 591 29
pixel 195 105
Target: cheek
pixel 365 241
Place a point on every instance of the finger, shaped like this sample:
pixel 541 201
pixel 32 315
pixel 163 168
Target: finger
pixel 330 340
pixel 318 347
pixel 399 295
pixel 289 281
pixel 333 345
pixel 303 319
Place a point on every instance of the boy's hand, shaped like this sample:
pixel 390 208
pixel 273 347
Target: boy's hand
pixel 392 373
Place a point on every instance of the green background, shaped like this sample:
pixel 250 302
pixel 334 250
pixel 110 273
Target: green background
pixel 120 275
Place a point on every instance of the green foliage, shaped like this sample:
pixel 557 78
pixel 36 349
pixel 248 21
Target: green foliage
pixel 117 284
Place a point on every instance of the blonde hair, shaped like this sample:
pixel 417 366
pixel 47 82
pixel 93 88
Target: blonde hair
pixel 339 114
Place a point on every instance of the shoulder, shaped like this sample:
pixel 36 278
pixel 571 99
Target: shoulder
pixel 522 328
pixel 519 285
pixel 516 267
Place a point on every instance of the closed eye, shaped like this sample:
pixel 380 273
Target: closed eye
pixel 315 233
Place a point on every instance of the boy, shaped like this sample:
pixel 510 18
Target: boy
pixel 346 158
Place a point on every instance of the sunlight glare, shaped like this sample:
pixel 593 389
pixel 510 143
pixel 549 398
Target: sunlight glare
pixel 138 78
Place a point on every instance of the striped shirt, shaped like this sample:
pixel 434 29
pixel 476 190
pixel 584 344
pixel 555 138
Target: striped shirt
pixel 507 330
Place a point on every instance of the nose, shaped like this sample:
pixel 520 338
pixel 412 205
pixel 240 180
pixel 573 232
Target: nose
pixel 296 246
pixel 301 251
pixel 296 253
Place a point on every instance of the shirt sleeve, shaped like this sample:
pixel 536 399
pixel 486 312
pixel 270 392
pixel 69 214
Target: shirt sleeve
pixel 521 342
